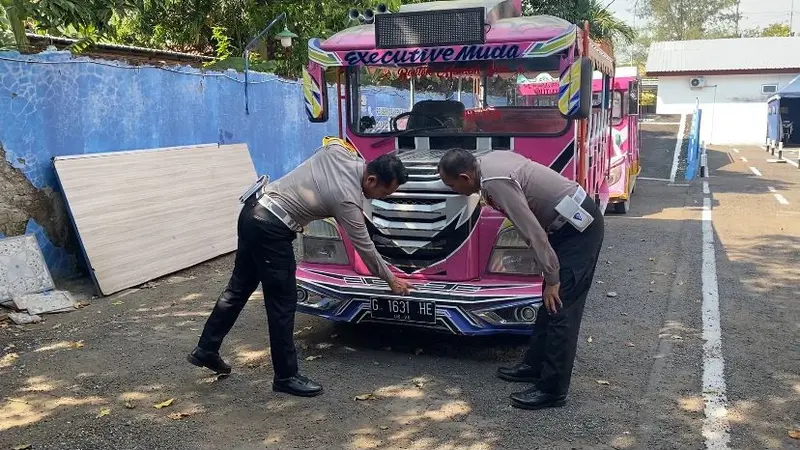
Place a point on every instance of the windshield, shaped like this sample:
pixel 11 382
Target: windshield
pixel 512 97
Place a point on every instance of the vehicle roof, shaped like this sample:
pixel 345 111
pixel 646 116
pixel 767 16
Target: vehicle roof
pixel 513 29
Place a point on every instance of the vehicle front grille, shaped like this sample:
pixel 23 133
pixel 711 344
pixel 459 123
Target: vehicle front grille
pixel 424 222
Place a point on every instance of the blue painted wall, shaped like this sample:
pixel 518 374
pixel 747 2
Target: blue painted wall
pixel 52 104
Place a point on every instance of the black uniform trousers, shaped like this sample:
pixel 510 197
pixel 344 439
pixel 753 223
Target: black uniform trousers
pixel 555 336
pixel 265 255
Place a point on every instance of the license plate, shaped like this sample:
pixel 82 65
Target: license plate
pixel 403 310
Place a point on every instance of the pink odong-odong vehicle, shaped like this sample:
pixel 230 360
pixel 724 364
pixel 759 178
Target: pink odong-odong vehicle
pixel 625 163
pixel 471 74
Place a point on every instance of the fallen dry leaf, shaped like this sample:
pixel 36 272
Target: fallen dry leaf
pixel 179 415
pixel 163 404
pixel 78 344
pixel 103 412
pixel 129 405
pixel 794 434
pixel 22 447
pixel 363 397
pixel 313 357
pixel 589 340
pixel 603 382
pixel 80 305
pixel 611 294
pixel 383 427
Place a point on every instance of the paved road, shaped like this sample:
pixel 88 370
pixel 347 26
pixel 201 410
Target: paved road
pixel 439 392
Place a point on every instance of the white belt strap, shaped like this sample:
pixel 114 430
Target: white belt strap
pixel 570 209
pixel 269 204
pixel 278 211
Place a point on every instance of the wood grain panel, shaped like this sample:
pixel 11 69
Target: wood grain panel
pixel 148 213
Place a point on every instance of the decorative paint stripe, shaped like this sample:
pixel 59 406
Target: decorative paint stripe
pixel 563 159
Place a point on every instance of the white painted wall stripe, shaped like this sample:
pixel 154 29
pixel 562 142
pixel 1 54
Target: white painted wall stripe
pixel 781 199
pixel 705 188
pixel 755 171
pixel 678 146
pixel 716 428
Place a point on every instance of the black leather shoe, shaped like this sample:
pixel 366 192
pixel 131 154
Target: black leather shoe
pixel 297 385
pixel 535 399
pixel 520 373
pixel 209 360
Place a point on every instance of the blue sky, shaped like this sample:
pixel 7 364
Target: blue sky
pixel 757 13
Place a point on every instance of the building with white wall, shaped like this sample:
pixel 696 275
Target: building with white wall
pixel 730 78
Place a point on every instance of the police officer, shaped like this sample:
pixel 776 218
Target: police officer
pixel 331 183
pixel 564 229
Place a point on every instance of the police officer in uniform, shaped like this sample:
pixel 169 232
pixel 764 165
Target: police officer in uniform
pixel 332 183
pixel 564 228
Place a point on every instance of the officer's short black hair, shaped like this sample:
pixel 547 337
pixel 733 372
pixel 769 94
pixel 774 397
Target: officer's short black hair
pixel 388 168
pixel 457 161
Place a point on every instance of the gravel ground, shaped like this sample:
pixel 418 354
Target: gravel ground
pixel 90 379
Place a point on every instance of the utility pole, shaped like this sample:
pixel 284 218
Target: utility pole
pixel 791 19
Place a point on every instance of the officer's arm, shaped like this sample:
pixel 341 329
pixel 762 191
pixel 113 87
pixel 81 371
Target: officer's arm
pixel 351 218
pixel 508 196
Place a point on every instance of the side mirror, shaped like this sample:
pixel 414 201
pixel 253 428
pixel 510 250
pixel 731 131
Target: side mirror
pixel 315 93
pixel 575 91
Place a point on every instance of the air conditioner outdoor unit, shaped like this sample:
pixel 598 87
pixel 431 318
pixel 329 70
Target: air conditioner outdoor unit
pixel 697 82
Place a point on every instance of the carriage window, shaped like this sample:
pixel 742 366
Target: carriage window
pixel 616 108
pixel 769 88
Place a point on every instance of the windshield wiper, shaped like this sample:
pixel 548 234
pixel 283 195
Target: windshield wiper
pixel 404 132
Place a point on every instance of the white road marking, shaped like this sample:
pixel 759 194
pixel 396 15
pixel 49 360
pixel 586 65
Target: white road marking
pixel 653 179
pixel 705 188
pixel 756 171
pixel 744 159
pixel 678 145
pixel 781 199
pixel 794 163
pixel 736 150
pixel 716 428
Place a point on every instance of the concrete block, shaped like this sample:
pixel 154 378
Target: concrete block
pixel 22 268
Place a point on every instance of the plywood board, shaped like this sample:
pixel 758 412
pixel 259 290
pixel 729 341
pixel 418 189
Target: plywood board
pixel 22 268
pixel 147 213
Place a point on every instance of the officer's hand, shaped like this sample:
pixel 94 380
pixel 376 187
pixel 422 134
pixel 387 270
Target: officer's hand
pixel 551 299
pixel 399 286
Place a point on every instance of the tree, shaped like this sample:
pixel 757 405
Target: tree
pixel 683 20
pixel 773 30
pixel 82 18
pixel 603 25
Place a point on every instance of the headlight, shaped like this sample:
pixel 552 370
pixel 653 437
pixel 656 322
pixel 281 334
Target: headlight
pixel 512 255
pixel 321 243
pixel 615 174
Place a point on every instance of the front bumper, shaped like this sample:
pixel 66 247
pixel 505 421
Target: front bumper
pixel 491 306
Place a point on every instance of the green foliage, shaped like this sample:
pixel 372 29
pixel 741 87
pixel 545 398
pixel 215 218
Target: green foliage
pixel 684 20
pixel 603 25
pixel 773 30
pixel 647 98
pixel 87 20
pixel 7 40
